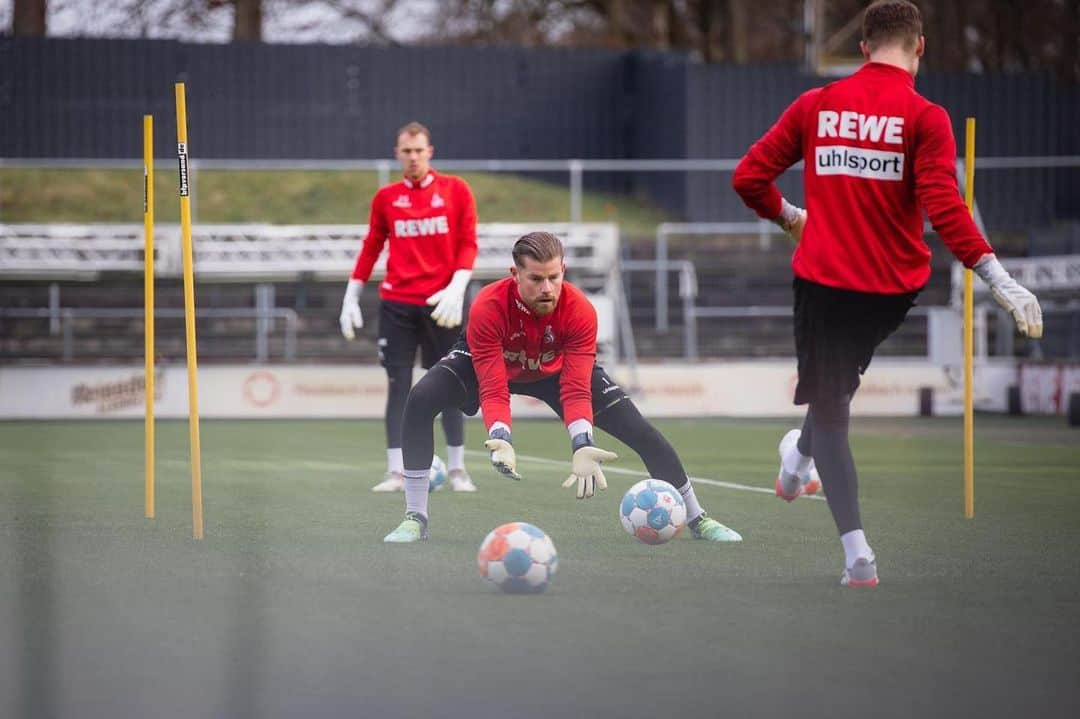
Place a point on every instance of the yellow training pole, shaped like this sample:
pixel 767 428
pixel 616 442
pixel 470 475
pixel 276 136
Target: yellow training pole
pixel 189 314
pixel 969 334
pixel 148 304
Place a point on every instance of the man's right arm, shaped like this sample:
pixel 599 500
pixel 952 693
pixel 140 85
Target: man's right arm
pixel 351 318
pixel 484 334
pixel 378 231
pixel 776 151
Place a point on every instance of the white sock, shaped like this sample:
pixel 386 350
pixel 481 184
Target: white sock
pixel 394 460
pixel 855 546
pixel 693 508
pixel 416 490
pixel 795 462
pixel 455 457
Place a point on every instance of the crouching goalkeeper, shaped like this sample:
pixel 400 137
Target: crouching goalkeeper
pixel 534 334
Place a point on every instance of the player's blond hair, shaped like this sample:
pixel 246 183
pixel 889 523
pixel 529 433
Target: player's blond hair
pixel 412 129
pixel 540 246
pixel 891 21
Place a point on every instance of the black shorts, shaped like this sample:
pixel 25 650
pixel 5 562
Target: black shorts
pixel 836 333
pixel 605 392
pixel 404 327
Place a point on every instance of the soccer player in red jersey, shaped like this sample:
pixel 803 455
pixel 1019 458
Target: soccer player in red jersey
pixel 429 220
pixel 877 154
pixel 534 334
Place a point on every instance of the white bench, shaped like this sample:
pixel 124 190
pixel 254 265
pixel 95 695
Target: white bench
pixel 263 252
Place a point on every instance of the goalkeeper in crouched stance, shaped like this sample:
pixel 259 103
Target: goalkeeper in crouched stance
pixel 534 334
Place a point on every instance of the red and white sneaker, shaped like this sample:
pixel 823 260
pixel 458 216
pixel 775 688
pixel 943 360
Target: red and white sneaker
pixel 862 574
pixel 790 487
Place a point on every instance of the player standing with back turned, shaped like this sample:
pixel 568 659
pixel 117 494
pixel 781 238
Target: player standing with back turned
pixel 430 222
pixel 877 154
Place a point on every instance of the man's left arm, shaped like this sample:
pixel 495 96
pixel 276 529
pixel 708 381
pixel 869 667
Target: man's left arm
pixel 939 194
pixel 449 302
pixel 465 227
pixel 575 392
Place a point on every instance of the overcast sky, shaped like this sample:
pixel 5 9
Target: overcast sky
pixel 283 21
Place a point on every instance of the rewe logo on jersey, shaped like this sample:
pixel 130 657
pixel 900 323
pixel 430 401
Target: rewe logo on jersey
pixel 860 162
pixel 423 227
pixel 857 126
pixel 527 362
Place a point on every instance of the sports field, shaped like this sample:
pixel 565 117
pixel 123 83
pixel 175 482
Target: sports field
pixel 292 606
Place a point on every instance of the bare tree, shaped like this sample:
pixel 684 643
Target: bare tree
pixel 28 18
pixel 964 35
pixel 247 23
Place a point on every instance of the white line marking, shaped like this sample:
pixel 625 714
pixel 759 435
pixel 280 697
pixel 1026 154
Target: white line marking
pixel 608 469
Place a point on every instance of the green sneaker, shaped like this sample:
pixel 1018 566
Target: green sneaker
pixel 412 529
pixel 707 528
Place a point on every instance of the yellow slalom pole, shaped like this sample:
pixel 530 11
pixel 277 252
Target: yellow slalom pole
pixel 189 314
pixel 148 305
pixel 969 334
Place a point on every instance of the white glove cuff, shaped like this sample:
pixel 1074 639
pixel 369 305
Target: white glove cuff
pixel 579 426
pixel 789 215
pixel 460 281
pixel 352 291
pixel 990 271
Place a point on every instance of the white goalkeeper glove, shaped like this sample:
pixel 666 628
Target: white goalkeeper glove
pixel 1020 303
pixel 585 467
pixel 502 453
pixel 791 219
pixel 351 318
pixel 450 300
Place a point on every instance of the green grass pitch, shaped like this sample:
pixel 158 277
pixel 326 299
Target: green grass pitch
pixel 292 606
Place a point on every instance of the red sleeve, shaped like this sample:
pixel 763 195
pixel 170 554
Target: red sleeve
pixel 378 230
pixel 466 240
pixel 484 334
pixel 579 357
pixel 937 189
pixel 777 150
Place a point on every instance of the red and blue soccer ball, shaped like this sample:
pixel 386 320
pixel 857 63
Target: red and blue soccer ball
pixel 518 558
pixel 653 512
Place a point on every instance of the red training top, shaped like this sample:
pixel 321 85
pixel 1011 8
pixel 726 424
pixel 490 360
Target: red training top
pixel 876 153
pixel 509 343
pixel 431 226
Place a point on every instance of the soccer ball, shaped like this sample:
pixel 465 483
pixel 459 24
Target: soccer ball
pixel 518 558
pixel 653 512
pixel 437 478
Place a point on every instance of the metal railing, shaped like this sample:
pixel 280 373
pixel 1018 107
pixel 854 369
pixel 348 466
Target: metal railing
pixel 575 168
pixel 762 228
pixel 688 290
pixel 62 322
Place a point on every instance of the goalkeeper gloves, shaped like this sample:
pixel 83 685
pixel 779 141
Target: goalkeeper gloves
pixel 351 319
pixel 1020 303
pixel 791 219
pixel 502 452
pixel 450 300
pixel 585 466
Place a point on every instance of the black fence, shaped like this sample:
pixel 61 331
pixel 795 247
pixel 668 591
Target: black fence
pixel 85 98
